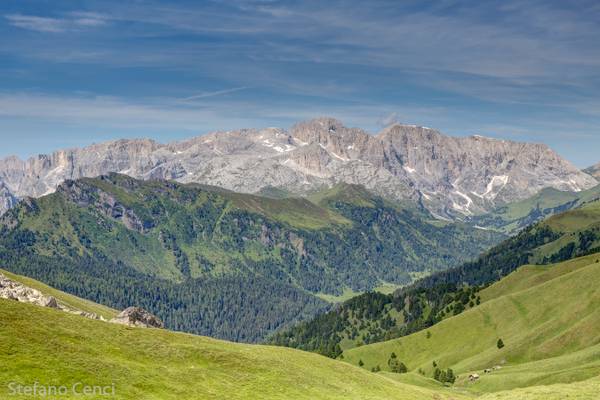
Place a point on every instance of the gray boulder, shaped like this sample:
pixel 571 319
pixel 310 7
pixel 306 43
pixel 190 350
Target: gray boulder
pixel 137 316
pixel 49 301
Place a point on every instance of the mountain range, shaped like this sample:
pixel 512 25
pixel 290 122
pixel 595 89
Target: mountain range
pixel 208 260
pixel 452 177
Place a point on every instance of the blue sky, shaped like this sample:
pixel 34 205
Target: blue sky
pixel 78 72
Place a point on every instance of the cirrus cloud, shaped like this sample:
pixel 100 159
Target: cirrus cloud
pixel 75 20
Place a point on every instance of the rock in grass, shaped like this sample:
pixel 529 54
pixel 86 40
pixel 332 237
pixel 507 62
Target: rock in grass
pixel 137 316
pixel 49 301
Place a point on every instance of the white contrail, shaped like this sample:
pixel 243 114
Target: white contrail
pixel 212 94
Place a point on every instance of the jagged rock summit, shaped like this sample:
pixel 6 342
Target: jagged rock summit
pixel 137 316
pixel 453 177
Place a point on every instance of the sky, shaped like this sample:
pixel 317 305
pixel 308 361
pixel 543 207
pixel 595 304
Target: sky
pixel 74 73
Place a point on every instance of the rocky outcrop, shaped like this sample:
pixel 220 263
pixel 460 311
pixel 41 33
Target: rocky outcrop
pixel 7 199
pixel 131 316
pixel 137 316
pixel 85 195
pixel 453 177
pixel 13 290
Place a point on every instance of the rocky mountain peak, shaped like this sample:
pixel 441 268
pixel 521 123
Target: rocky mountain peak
pixel 318 126
pixel 331 134
pixel 407 129
pixel 450 176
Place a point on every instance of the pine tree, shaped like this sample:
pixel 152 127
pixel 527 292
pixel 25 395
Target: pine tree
pixel 450 378
pixel 442 376
pixel 402 369
pixel 500 343
pixel 397 366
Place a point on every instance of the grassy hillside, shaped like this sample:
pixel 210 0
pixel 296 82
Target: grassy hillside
pixel 547 317
pixel 55 348
pixel 209 261
pixel 586 390
pixel 374 317
pixel 343 193
pixel 514 217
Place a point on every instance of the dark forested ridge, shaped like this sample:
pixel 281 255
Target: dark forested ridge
pixel 374 317
pixel 224 264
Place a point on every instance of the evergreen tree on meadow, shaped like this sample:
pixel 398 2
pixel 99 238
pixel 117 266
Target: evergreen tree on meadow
pixel 442 376
pixel 450 377
pixel 397 366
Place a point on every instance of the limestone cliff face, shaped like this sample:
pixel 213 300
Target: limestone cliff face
pixel 7 199
pixel 450 176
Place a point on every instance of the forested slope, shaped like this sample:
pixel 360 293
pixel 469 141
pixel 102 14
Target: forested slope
pixel 214 262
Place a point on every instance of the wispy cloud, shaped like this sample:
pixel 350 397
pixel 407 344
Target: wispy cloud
pixel 201 115
pixel 106 110
pixel 75 20
pixel 86 18
pixel 388 119
pixel 41 24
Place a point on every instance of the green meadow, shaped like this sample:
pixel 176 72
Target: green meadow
pixel 56 348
